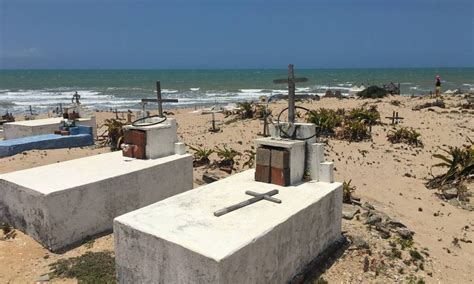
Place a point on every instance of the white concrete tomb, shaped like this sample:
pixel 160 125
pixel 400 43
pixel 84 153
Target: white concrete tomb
pixel 35 127
pixel 179 240
pixel 62 204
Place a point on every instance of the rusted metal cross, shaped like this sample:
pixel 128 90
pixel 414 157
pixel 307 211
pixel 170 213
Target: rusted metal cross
pixel 257 197
pixel 159 99
pixel 291 81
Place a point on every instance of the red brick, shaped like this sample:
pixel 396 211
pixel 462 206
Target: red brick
pixel 280 176
pixel 262 173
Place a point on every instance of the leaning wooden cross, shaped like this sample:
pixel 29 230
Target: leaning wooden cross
pixel 257 197
pixel 159 99
pixel 291 81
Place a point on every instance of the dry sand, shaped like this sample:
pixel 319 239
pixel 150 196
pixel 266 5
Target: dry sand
pixel 391 177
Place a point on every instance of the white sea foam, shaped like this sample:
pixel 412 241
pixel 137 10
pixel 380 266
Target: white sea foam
pixel 169 91
pixel 194 89
pixel 251 90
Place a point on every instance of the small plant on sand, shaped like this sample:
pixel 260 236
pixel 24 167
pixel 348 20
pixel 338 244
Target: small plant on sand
pixel 227 156
pixel 354 130
pixel 113 133
pixel 262 111
pixel 91 267
pixel 246 110
pixel 201 155
pixel 8 231
pixel 326 120
pixel 347 191
pixel 405 135
pixel 460 164
pixel 370 116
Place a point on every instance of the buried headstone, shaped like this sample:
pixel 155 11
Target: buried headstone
pixel 62 204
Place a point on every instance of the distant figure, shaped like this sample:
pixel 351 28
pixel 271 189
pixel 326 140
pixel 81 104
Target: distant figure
pixel 438 86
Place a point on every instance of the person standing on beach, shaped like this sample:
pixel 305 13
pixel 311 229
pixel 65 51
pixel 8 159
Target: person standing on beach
pixel 438 86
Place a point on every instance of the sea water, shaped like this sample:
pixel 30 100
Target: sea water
pixel 44 90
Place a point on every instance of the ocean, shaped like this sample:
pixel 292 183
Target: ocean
pixel 44 90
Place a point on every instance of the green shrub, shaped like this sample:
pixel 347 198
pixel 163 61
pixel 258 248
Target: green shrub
pixel 354 130
pixel 326 120
pixel 201 155
pixel 405 135
pixel 227 156
pixel 347 191
pixel 460 164
pixel 369 116
pixel 246 110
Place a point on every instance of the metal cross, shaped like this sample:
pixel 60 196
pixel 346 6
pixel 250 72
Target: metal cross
pixel 159 100
pixel 257 197
pixel 291 91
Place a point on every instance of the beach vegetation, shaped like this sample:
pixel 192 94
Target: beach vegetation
pixel 227 156
pixel 405 135
pixel 460 164
pixel 8 231
pixel 347 190
pixel 201 155
pixel 246 110
pixel 91 267
pixel 355 130
pixel 113 133
pixel 369 116
pixel 261 111
pixel 326 120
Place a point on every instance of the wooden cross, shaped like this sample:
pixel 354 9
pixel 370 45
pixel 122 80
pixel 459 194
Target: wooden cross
pixel 291 91
pixel 395 118
pixel 159 100
pixel 256 197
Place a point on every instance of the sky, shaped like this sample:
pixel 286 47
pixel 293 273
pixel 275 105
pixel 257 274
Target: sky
pixel 227 34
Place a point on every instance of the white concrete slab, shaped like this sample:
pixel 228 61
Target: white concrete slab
pixel 34 127
pixel 62 204
pixel 179 240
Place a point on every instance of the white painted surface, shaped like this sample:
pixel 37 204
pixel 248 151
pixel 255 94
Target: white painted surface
pixel 64 203
pixel 317 157
pixel 34 127
pixel 161 138
pixel 326 172
pixel 297 153
pixel 179 240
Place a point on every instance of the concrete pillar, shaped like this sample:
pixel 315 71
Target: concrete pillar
pixel 317 157
pixel 179 148
pixel 326 172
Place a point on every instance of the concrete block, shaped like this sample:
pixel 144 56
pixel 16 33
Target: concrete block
pixel 296 151
pixel 45 126
pixel 160 138
pixel 179 148
pixel 281 177
pixel 263 156
pixel 262 173
pixel 179 240
pixel 326 172
pixel 317 157
pixel 280 159
pixel 60 205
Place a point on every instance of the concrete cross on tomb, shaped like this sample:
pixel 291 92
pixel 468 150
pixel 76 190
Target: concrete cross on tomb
pixel 159 99
pixel 291 81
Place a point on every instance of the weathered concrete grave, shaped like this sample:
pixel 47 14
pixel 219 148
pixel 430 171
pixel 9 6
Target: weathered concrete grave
pixel 228 232
pixel 62 204
pixel 35 127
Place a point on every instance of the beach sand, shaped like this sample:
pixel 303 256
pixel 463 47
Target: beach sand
pixel 389 176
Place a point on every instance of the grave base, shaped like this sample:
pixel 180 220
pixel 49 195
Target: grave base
pixel 179 240
pixel 62 204
pixel 35 127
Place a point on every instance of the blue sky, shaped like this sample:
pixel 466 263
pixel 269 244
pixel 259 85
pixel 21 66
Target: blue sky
pixel 69 34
